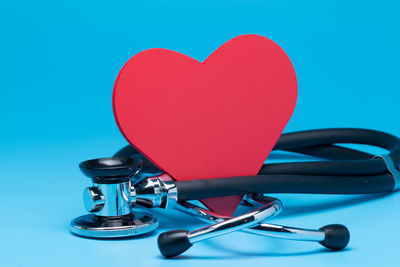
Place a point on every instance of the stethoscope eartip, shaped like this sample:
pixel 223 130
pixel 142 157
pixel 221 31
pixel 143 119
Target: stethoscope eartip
pixel 173 243
pixel 337 236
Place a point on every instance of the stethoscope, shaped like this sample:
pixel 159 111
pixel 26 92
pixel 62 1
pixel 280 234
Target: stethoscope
pixel 129 179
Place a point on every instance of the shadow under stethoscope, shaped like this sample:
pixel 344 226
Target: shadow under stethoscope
pixel 324 203
pixel 237 254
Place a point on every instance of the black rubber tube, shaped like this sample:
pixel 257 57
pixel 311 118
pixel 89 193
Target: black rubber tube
pixel 350 171
pixel 341 135
pixel 347 168
pixel 332 152
pixel 195 189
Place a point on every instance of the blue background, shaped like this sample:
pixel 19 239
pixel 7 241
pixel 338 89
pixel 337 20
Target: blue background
pixel 58 63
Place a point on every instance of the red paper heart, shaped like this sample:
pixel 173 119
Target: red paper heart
pixel 201 120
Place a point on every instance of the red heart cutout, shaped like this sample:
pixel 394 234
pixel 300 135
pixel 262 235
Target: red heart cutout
pixel 201 120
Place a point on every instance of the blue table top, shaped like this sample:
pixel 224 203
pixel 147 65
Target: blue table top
pixel 58 65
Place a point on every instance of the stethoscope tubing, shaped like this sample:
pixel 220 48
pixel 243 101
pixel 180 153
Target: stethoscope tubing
pixel 343 171
pixel 320 137
pixel 296 184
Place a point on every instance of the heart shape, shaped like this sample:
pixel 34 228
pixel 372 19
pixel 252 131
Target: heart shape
pixel 201 120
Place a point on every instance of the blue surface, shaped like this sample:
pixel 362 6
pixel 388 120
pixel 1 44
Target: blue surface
pixel 58 63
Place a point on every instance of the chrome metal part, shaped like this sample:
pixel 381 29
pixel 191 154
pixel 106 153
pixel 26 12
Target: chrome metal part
pixel 264 229
pixel 286 232
pixel 170 191
pixel 392 169
pixel 93 199
pixel 237 223
pixel 114 199
pixel 94 226
pixel 157 192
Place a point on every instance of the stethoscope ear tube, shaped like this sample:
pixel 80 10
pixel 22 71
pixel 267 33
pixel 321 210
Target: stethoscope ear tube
pixel 173 243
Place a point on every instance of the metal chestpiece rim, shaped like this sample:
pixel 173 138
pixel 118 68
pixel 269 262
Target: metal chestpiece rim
pixel 93 226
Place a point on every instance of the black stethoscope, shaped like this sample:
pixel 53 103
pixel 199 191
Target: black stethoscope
pixel 128 179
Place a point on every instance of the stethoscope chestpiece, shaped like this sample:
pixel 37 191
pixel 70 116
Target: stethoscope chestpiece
pixel 110 200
